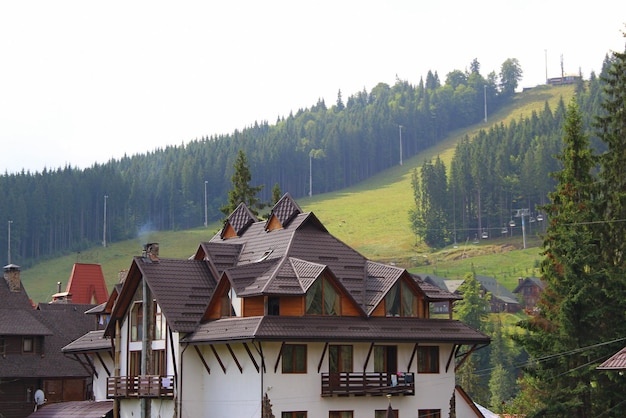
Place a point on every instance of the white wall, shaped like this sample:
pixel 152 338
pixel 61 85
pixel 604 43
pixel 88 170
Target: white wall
pixel 236 394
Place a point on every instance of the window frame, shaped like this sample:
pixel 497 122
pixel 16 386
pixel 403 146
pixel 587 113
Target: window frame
pixel 400 288
pixel 28 345
pixel 341 414
pixel 428 359
pixel 323 283
pixel 343 350
pixel 289 357
pixel 293 414
pixel 429 413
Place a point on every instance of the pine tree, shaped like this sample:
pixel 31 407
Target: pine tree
pixel 570 304
pixel 242 191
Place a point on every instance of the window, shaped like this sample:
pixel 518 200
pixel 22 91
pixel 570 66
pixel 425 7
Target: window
pixel 134 363
pixel 299 414
pixel 3 349
pixel 400 301
pixel 340 414
pixel 382 413
pixel 136 322
pixel 28 345
pixel 340 359
pixel 273 305
pixel 159 323
pixel 428 359
pixel 294 358
pixel 385 359
pixel 158 363
pixel 429 413
pixel 323 299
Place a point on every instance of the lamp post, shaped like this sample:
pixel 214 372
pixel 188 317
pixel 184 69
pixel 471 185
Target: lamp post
pixel 485 91
pixel 310 173
pixel 9 244
pixel 206 212
pixel 400 128
pixel 104 228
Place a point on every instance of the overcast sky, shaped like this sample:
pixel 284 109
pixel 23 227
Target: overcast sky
pixel 86 81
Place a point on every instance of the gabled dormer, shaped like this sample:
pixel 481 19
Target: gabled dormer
pixel 237 222
pixel 294 287
pixel 392 292
pixel 283 212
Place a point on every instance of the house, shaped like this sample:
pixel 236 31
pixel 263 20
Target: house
pixel 31 339
pixel 278 316
pixel 85 286
pixel 529 289
pixel 502 299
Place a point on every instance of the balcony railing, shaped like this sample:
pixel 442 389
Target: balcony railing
pixel 368 383
pixel 148 386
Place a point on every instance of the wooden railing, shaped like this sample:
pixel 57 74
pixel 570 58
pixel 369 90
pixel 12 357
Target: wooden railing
pixel 368 383
pixel 148 386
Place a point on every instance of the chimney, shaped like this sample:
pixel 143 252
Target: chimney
pixel 12 277
pixel 151 251
pixel 58 287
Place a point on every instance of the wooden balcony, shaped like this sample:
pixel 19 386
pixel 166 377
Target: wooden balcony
pixel 148 386
pixel 368 383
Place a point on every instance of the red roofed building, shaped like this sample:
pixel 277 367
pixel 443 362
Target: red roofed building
pixel 87 285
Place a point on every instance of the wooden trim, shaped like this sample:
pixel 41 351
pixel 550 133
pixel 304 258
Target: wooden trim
pixel 455 349
pixel 219 360
pixel 319 365
pixel 367 359
pixel 103 364
pixel 412 357
pixel 232 353
pixel 86 364
pixel 206 366
pixel 280 354
pixel 464 357
pixel 256 365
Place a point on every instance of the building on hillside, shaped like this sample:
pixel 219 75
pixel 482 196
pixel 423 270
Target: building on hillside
pixel 31 339
pixel 278 316
pixel 529 290
pixel 502 299
pixel 86 285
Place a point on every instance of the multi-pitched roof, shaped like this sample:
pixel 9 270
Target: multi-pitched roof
pixel 282 256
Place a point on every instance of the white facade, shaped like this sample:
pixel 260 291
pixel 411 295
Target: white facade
pixel 234 393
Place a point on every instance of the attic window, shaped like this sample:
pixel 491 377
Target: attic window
pixel 265 255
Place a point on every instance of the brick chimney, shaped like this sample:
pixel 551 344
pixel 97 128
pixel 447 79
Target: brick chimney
pixel 12 277
pixel 151 251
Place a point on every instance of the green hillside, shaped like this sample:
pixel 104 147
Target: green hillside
pixel 371 217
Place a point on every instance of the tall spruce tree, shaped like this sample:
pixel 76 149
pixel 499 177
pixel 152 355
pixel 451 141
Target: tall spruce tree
pixel 563 337
pixel 242 191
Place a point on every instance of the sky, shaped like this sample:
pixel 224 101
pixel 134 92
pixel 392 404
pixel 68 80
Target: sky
pixel 82 82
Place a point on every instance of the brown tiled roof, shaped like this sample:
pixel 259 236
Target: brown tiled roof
pixel 240 219
pixel 336 328
pixel 91 342
pixel 86 284
pixel 251 279
pixel 77 409
pixel 285 210
pixel 66 322
pixel 380 278
pixel 616 362
pixel 182 288
pixel 220 256
pixel 433 292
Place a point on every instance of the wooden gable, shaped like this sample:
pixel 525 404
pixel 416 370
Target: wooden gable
pixel 421 305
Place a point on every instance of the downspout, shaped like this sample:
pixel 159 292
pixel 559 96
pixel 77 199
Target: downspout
pixel 180 387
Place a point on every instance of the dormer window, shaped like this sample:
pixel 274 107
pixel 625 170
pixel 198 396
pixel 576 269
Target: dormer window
pixel 265 255
pixel 323 299
pixel 400 301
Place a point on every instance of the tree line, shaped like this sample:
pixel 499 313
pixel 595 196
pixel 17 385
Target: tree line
pixel 499 176
pixel 315 150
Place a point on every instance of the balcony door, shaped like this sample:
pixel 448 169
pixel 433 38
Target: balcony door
pixel 386 360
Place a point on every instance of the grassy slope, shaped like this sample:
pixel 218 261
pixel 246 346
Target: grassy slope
pixel 371 217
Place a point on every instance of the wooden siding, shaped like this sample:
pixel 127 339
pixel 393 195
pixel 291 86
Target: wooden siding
pixel 253 306
pixel 274 224
pixel 292 306
pixel 348 308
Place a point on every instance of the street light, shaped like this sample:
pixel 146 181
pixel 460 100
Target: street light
pixel 485 90
pixel 206 212
pixel 104 228
pixel 310 173
pixel 9 244
pixel 400 127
